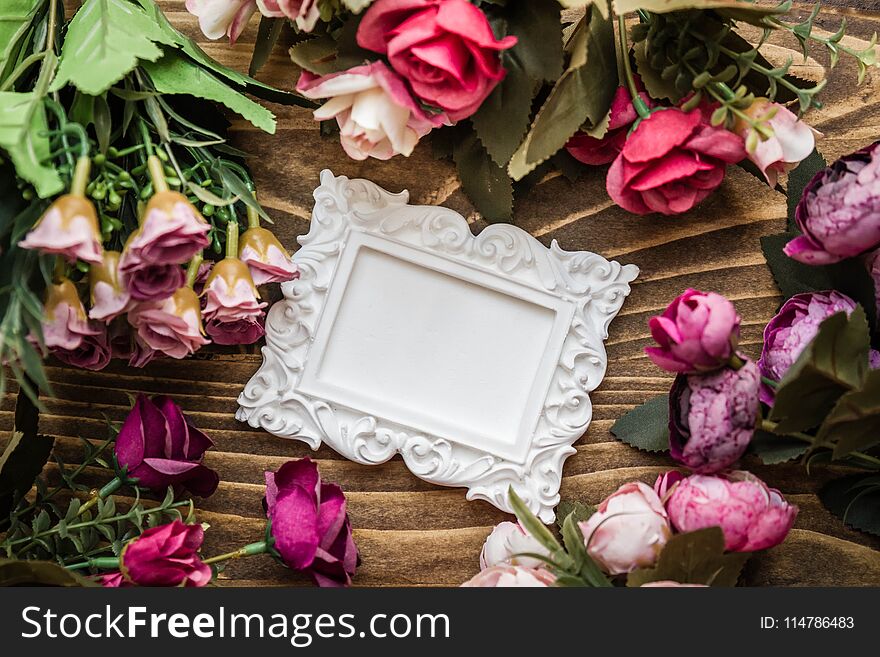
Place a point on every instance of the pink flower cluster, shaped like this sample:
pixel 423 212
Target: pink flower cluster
pixel 141 303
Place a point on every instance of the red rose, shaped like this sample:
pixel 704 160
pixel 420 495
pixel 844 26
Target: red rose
pixel 672 161
pixel 603 150
pixel 445 49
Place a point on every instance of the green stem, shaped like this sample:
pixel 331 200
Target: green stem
pixel 192 271
pixel 825 41
pixel 232 239
pixel 639 104
pixel 21 69
pixel 249 550
pixel 108 489
pixel 253 217
pixel 770 382
pixel 98 563
pixel 81 176
pixel 157 174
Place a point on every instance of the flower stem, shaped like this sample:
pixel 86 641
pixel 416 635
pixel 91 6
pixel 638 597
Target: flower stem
pixel 98 563
pixel 770 382
pixel 157 174
pixel 253 217
pixel 232 239
pixel 81 176
pixel 639 104
pixel 249 550
pixel 192 271
pixel 108 489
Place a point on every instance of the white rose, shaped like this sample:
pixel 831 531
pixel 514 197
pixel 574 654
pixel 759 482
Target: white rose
pixel 505 541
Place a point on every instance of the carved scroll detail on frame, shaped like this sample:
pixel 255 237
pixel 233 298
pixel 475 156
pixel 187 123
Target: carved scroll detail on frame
pixel 590 288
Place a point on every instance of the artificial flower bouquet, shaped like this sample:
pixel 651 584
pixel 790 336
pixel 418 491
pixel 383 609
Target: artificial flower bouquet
pixel 668 93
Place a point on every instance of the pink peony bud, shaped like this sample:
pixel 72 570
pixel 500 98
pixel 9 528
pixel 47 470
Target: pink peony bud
pixel 172 326
pixel 507 576
pixel 712 417
pixel 309 523
pixel 507 540
pixel 697 332
pixel 628 530
pixel 222 17
pixel 110 298
pixel 68 334
pixel 167 555
pixel 267 260
pixel 751 515
pixel 233 315
pixel 68 228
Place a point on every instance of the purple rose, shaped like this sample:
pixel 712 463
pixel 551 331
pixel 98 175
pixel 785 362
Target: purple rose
pixel 712 417
pixel 793 327
pixel 839 212
pixel 310 524
pixel 697 332
pixel 159 448
pixel 153 282
pixel 68 334
pixel 172 232
pixel 233 312
pixel 167 555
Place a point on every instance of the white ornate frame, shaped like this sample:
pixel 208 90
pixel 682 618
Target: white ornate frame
pixel 585 291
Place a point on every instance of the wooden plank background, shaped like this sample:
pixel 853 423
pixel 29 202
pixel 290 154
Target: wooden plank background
pixel 410 532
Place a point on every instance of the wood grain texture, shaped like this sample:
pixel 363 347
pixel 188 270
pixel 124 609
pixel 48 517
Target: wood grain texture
pixel 413 533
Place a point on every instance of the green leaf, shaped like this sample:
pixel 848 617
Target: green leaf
pixel 267 36
pixel 854 422
pixel 16 17
pixel 23 129
pixel 485 183
pixel 532 524
pixel 320 56
pixel 735 9
pixel 582 95
pixel 656 85
pixel 646 426
pixel 833 363
pixel 694 558
pixel 174 74
pixel 580 512
pixel 105 40
pixel 798 180
pixel 773 449
pixel 855 499
pixel 14 572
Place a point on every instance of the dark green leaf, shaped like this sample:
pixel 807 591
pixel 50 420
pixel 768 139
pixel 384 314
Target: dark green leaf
pixel 646 426
pixel 833 363
pixel 854 422
pixel 579 511
pixel 485 183
pixel 797 182
pixel 14 572
pixel 267 36
pixel 773 449
pixel 22 460
pixel 856 500
pixel 694 558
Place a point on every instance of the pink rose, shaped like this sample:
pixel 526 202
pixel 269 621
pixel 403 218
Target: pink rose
pixel 167 555
pixel 628 530
pixel 672 161
pixel 792 139
pixel 304 13
pixel 172 326
pixel 507 576
pixel 268 261
pixel 68 228
pixel 110 298
pixel 172 233
pixel 377 115
pixel 222 17
pixel 507 540
pixel 751 515
pixel 697 332
pixel 445 49
pixel 232 313
pixel 309 523
pixel 68 334
pixel 603 150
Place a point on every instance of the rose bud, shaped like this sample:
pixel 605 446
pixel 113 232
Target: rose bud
pixel 792 329
pixel 507 540
pixel 377 115
pixel 233 315
pixel 507 576
pixel 697 332
pixel 839 212
pixel 114 581
pixel 267 260
pixel 154 282
pixel 93 353
pixel 666 482
pixel 109 295
pixel 303 13
pixel 445 50
pixel 309 523
pixel 160 448
pixel 172 326
pixel 671 162
pixel 792 139
pixel 712 417
pixel 167 555
pixel 603 150
pixel 68 334
pixel 218 18
pixel 628 530
pixel 751 515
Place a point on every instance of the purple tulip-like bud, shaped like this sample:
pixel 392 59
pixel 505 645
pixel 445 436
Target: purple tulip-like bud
pixel 167 555
pixel 712 417
pixel 839 212
pixel 697 332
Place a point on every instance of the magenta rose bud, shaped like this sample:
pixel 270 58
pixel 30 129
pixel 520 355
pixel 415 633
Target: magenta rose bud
pixel 628 530
pixel 233 314
pixel 666 482
pixel 444 49
pixel 839 212
pixel 158 447
pixel 69 228
pixel 114 581
pixel 697 332
pixel 172 326
pixel 268 261
pixel 507 576
pixel 671 162
pixel 167 555
pixel 712 417
pixel 751 515
pixel 309 523
pixel 505 545
pixel 603 150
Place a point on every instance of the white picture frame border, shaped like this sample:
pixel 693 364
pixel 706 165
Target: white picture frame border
pixel 585 290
